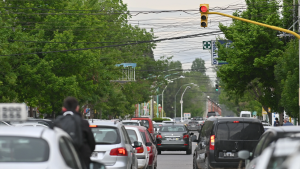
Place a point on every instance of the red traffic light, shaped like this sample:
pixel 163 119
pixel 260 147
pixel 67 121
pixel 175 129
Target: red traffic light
pixel 203 9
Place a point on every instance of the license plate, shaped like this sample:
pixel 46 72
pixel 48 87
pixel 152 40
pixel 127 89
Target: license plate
pixel 193 125
pixel 228 154
pixel 172 138
pixel 98 155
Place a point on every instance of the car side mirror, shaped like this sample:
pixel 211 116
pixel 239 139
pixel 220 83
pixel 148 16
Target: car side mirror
pixel 96 165
pixel 244 154
pixel 148 144
pixel 137 144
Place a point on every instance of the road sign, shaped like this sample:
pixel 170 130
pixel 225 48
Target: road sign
pixel 159 109
pixel 206 45
pixel 214 54
pixel 13 112
pixel 187 115
pixel 88 114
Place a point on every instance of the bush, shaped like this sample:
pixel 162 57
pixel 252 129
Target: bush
pixel 160 119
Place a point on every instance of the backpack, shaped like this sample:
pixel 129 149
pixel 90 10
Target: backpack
pixel 71 124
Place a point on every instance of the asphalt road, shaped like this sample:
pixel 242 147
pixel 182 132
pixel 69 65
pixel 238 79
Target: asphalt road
pixel 176 159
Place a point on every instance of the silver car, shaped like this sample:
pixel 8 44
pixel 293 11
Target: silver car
pixel 141 152
pixel 131 123
pixel 113 145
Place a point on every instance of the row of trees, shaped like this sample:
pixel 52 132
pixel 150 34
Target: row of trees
pixel 262 68
pixel 57 48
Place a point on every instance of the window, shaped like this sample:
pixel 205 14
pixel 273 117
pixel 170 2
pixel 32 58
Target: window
pixel 245 115
pixel 268 141
pixel 106 135
pixel 132 135
pixel 2 123
pixel 173 128
pixel 239 131
pixel 145 123
pixel 23 149
pixel 257 150
pixel 149 136
pixel 67 154
pixel 127 140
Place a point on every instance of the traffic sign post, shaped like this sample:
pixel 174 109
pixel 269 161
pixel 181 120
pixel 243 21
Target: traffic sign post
pixel 88 114
pixel 206 45
pixel 159 108
pixel 13 112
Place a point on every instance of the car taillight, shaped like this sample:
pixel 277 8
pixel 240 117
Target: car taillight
pixel 236 121
pixel 212 142
pixel 185 144
pixel 159 136
pixel 139 149
pixel 93 126
pixel 186 136
pixel 149 149
pixel 158 144
pixel 118 152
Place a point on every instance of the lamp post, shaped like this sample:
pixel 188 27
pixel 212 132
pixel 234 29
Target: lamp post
pixel 181 101
pixel 175 98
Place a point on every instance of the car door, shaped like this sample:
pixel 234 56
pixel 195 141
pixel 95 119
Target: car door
pixel 128 147
pixel 201 145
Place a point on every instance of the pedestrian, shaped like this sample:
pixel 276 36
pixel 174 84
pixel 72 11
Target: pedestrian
pixel 72 122
pixel 276 122
pixel 287 123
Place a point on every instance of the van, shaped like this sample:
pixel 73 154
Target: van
pixel 245 114
pixel 220 140
pixel 146 122
pixel 212 113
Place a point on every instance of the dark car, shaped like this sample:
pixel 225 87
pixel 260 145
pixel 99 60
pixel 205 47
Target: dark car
pixel 174 137
pixel 194 126
pixel 271 135
pixel 220 140
pixel 209 114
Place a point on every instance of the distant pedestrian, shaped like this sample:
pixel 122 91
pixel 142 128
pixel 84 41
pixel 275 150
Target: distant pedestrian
pixel 287 123
pixel 276 122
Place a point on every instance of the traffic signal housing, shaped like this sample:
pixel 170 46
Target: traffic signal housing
pixel 217 87
pixel 204 9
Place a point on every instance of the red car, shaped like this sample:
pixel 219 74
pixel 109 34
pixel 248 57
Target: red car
pixel 146 122
pixel 151 147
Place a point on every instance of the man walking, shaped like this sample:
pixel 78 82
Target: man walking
pixel 287 123
pixel 83 139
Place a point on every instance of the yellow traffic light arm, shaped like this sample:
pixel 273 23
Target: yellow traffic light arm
pixel 257 23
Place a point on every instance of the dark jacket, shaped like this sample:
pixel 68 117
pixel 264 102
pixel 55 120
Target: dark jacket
pixel 276 123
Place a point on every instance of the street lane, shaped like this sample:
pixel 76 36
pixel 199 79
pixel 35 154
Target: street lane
pixel 176 159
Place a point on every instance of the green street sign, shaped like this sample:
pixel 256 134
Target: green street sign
pixel 206 45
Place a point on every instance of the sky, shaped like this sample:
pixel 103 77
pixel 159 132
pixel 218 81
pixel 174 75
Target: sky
pixel 173 24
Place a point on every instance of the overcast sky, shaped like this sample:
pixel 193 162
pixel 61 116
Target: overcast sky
pixel 167 25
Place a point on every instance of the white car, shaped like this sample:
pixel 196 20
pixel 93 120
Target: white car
pixel 131 123
pixel 29 125
pixel 168 118
pixel 142 153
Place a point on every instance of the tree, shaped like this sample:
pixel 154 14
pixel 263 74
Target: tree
pixel 198 65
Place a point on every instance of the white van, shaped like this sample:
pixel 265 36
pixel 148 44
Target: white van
pixel 245 114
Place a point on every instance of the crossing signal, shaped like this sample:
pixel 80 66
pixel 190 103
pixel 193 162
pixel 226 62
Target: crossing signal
pixel 217 87
pixel 204 9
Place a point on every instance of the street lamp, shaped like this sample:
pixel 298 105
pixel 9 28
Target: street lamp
pixel 181 101
pixel 176 95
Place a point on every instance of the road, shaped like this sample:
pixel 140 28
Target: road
pixel 176 159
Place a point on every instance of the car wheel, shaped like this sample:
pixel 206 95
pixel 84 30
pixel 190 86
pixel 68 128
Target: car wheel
pixel 159 152
pixel 189 151
pixel 195 163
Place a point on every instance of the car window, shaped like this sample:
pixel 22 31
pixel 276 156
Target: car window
pixel 2 123
pixel 239 131
pixel 130 123
pixel 67 153
pixel 149 136
pixel 145 123
pixel 132 135
pixel 173 129
pixel 23 149
pixel 106 135
pixel 259 145
pixel 268 141
pixel 245 115
pixel 127 139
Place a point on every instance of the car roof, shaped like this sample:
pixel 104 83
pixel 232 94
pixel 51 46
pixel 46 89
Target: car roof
pixel 130 121
pixel 284 129
pixel 22 131
pixel 105 123
pixel 245 119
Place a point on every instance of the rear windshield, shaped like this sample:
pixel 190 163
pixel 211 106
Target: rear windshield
pixel 132 135
pixel 172 129
pixel 131 123
pixel 157 125
pixel 239 131
pixel 245 115
pixel 106 135
pixel 23 149
pixel 193 122
pixel 145 123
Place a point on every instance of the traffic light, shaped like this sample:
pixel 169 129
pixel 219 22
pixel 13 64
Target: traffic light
pixel 204 9
pixel 217 87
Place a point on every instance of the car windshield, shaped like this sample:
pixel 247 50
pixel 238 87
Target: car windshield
pixel 173 129
pixel 131 123
pixel 23 149
pixel 245 115
pixel 239 131
pixel 106 135
pixel 132 135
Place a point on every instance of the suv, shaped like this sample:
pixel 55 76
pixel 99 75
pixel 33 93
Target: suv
pixel 146 122
pixel 212 113
pixel 113 145
pixel 220 140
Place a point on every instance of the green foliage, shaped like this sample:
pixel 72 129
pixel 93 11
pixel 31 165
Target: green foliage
pixel 198 65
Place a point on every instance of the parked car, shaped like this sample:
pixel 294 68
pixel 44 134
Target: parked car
pixel 131 123
pixel 174 137
pixel 245 114
pixel 151 147
pixel 142 153
pixel 27 124
pixel 194 126
pixel 113 145
pixel 269 136
pixel 220 139
pixel 146 122
pixel 214 114
pixel 3 123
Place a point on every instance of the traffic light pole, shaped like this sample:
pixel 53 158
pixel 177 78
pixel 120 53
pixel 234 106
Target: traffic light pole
pixel 271 27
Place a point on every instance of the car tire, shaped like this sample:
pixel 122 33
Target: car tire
pixel 195 163
pixel 189 151
pixel 159 152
